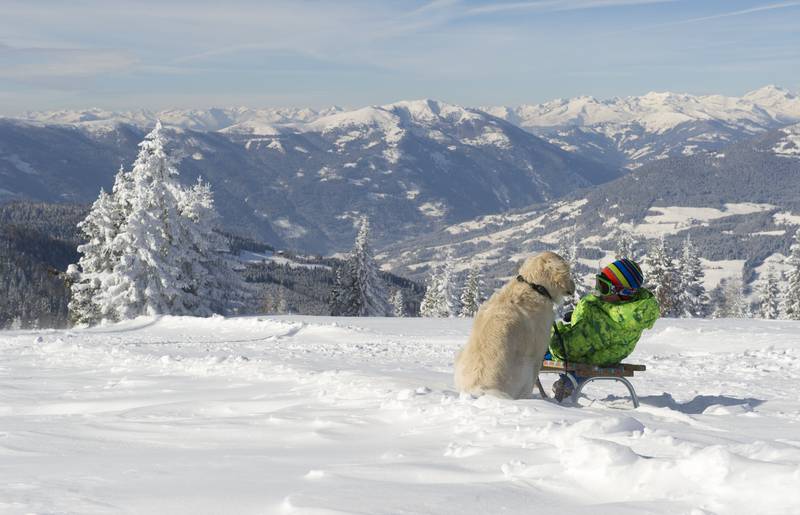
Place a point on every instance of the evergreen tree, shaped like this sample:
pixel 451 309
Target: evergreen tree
pixel 471 294
pixel 398 304
pixel 729 299
pixel 625 246
pixel 568 249
pixel 568 246
pixel 692 300
pixel 769 293
pixel 791 297
pixel 782 289
pixel 663 278
pixel 341 301
pixel 717 299
pixel 147 279
pixel 734 303
pixel 438 301
pixel 449 286
pixel 213 286
pixel 152 247
pixel 367 291
pixel 282 306
pixel 98 258
pixel 430 301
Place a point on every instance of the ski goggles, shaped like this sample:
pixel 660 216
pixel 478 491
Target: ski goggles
pixel 605 287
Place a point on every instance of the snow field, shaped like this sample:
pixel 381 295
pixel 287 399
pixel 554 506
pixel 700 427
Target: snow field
pixel 341 415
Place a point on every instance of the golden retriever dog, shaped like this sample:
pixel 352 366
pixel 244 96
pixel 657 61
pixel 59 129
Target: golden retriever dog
pixel 511 331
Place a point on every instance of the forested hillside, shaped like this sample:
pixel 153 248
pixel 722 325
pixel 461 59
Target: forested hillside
pixel 37 241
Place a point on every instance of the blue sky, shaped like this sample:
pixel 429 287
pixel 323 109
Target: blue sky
pixel 193 53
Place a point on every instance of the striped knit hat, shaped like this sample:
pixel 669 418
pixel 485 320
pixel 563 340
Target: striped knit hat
pixel 624 274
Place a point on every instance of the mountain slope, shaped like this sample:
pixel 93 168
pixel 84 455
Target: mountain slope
pixel 411 166
pixel 631 131
pixel 204 120
pixel 738 205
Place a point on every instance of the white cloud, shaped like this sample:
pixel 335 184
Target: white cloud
pixel 742 12
pixel 33 64
pixel 558 5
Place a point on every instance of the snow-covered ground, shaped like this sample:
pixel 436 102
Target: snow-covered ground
pixel 323 415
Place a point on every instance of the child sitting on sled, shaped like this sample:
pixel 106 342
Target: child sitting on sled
pixel 605 326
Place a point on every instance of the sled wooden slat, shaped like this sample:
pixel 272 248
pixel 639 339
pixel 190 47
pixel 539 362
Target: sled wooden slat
pixel 591 373
pixel 584 370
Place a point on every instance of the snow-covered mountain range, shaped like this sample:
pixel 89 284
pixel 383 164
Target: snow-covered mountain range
pixel 634 130
pixel 298 177
pixel 619 132
pixel 243 119
pixel 411 166
pixel 740 207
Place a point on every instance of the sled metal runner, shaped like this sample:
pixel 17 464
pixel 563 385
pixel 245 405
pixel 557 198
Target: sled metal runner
pixel 591 373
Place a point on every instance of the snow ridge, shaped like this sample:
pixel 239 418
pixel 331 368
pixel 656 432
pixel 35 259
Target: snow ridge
pixel 658 112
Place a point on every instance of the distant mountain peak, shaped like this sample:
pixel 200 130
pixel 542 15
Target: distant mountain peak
pixel 768 90
pixel 423 112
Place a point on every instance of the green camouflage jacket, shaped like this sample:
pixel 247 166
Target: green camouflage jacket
pixel 605 333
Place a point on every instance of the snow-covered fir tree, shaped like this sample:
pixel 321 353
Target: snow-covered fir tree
pixel 733 303
pixel 691 296
pixel 147 279
pixel 282 306
pixel 782 294
pixel 439 300
pixel 449 286
pixel 433 303
pixel 213 286
pixel 361 291
pixel 625 245
pixel 471 294
pixel 568 249
pixel 341 301
pixel 662 277
pixel 97 261
pixel 791 295
pixel 94 271
pixel 429 300
pixel 769 304
pixel 151 247
pixel 398 304
pixel 717 299
pixel 568 246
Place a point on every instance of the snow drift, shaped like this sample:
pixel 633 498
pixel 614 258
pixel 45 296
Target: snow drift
pixel 333 415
